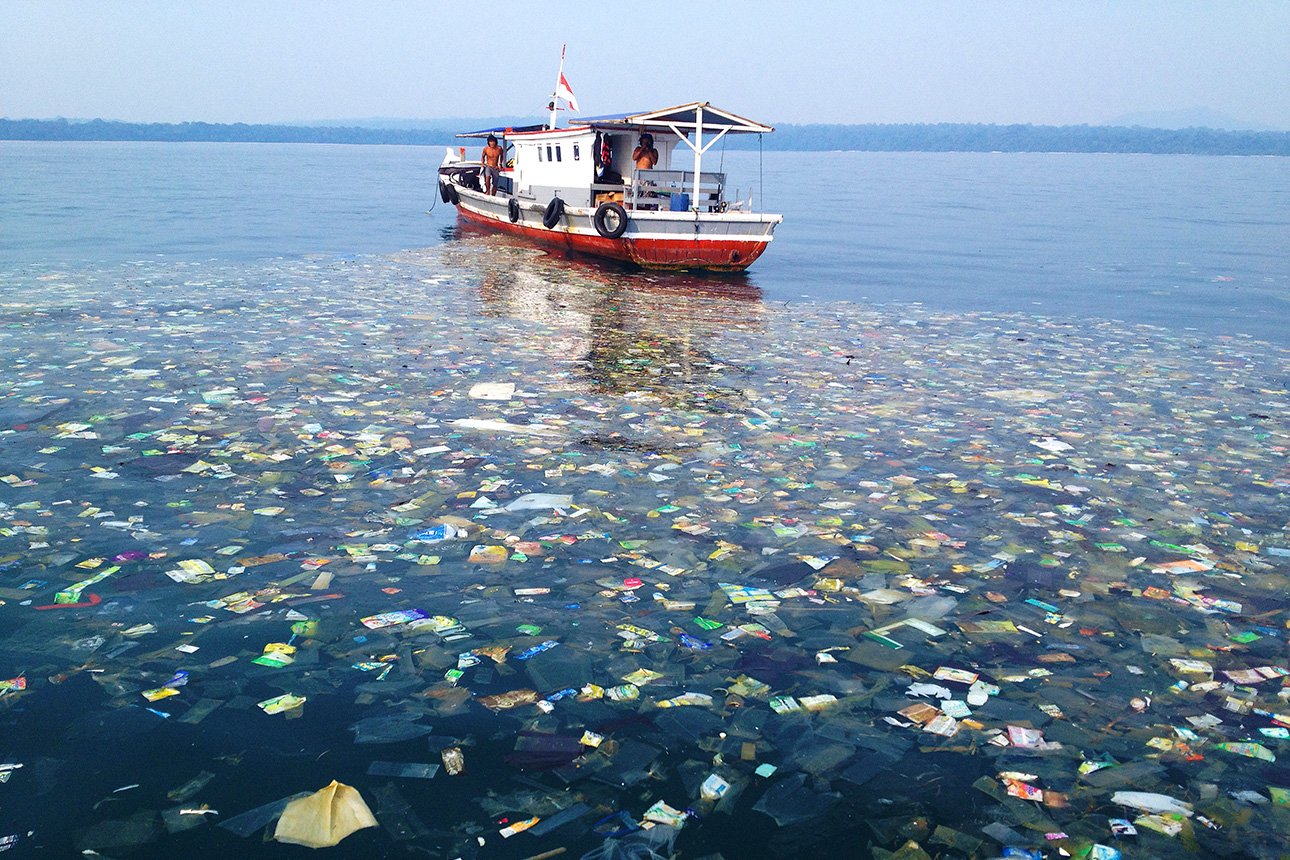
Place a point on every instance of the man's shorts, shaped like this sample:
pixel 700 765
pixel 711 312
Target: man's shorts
pixel 491 173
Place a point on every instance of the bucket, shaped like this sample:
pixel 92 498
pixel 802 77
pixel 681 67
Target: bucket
pixel 680 203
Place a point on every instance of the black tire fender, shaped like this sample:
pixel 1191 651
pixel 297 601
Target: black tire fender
pixel 554 212
pixel 443 191
pixel 453 197
pixel 513 210
pixel 604 213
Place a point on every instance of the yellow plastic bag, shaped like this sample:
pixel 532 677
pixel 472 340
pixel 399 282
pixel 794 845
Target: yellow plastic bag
pixel 324 817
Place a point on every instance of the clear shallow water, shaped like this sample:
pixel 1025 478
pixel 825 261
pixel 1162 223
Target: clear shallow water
pixel 1116 489
pixel 1178 241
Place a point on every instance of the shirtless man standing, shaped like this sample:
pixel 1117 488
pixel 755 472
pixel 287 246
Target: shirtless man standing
pixel 645 155
pixel 492 159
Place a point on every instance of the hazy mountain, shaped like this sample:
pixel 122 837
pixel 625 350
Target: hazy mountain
pixel 1197 117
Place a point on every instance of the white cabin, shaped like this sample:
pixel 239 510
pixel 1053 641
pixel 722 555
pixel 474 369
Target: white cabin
pixel 544 163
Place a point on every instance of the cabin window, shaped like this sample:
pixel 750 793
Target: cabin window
pixel 557 153
pixel 539 149
pixel 576 154
pixel 548 153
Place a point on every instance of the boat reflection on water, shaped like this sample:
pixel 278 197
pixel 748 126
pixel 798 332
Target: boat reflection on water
pixel 621 330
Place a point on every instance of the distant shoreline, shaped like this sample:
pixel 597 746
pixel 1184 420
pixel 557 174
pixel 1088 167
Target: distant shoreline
pixel 938 137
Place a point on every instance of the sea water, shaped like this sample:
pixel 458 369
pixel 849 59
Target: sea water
pixel 1177 241
pixel 884 565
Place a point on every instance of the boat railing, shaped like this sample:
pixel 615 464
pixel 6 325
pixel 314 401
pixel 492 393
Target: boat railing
pixel 657 189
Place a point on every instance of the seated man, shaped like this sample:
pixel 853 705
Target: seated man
pixel 492 161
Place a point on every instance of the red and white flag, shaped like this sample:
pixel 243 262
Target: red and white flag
pixel 563 91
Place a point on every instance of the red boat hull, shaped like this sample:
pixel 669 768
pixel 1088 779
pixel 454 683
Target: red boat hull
pixel 712 254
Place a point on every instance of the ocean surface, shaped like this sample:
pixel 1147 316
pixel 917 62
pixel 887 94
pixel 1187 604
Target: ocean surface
pixel 1185 242
pixel 955 528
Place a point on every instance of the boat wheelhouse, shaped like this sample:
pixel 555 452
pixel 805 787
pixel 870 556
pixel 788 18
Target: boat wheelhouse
pixel 579 188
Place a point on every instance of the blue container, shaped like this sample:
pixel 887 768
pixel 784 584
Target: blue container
pixel 680 203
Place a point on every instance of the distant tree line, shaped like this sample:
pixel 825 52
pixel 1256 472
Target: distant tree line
pixel 961 137
pixel 941 137
pixel 238 132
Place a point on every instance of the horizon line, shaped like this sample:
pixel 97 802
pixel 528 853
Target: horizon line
pixel 338 123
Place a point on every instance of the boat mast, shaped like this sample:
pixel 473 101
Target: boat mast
pixel 555 93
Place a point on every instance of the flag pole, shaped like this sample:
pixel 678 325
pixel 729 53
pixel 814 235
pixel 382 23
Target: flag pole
pixel 555 92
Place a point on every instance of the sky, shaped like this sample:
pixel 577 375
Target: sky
pixel 864 61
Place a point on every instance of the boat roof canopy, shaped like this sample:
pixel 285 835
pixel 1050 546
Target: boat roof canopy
pixel 681 117
pixel 501 130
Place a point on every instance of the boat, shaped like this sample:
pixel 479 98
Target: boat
pixel 578 188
